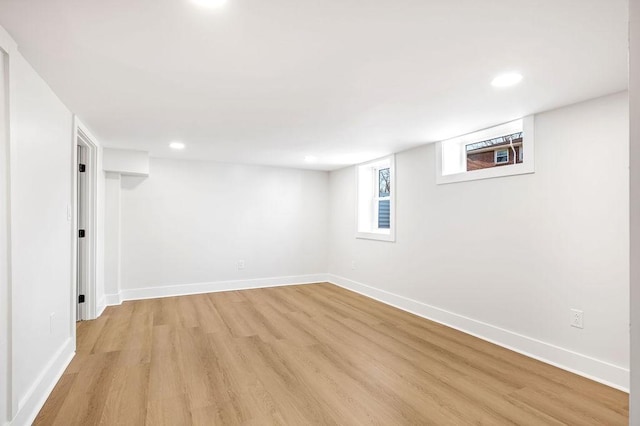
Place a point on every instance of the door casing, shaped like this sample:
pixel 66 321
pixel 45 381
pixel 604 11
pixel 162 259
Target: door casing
pixel 87 310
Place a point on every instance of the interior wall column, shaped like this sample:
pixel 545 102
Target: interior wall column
pixel 112 238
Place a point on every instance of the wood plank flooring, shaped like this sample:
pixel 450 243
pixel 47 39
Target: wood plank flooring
pixel 300 355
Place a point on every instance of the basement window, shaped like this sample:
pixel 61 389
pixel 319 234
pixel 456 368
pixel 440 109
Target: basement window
pixel 502 150
pixel 375 208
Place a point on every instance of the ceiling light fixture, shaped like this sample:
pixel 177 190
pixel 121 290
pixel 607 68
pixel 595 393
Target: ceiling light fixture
pixel 176 145
pixel 210 4
pixel 310 158
pixel 507 79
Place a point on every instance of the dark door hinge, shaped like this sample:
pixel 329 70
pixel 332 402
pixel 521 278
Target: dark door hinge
pixel 82 168
pixel 81 298
pixel 80 233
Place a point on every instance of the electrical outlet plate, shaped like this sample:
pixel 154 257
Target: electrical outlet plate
pixel 241 265
pixel 577 318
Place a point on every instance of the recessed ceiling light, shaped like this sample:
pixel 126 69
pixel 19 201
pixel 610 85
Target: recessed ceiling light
pixel 507 79
pixel 310 158
pixel 176 145
pixel 210 4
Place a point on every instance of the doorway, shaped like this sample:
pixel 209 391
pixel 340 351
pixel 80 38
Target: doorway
pixel 81 253
pixel 85 226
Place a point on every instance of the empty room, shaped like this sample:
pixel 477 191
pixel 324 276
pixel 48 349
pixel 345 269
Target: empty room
pixel 250 212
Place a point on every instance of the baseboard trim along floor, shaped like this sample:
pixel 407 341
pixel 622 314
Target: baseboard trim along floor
pixel 583 365
pixel 210 287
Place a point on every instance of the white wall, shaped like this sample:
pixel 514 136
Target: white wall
pixel 514 253
pixel 37 309
pixel 101 236
pixel 5 294
pixel 190 222
pixel 634 93
pixel 112 237
pixel 126 162
pixel 41 187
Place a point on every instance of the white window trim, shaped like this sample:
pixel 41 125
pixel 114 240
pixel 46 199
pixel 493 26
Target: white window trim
pixel 388 235
pixel 495 156
pixel 520 157
pixel 527 166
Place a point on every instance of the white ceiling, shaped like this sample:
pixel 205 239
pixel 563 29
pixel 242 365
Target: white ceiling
pixel 272 81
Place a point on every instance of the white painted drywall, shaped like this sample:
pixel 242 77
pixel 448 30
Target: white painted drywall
pixel 515 252
pixel 634 97
pixel 191 221
pixel 5 370
pixel 101 210
pixel 127 162
pixel 112 237
pixel 41 185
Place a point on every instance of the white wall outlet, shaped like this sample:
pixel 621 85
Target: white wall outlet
pixel 577 318
pixel 68 213
pixel 353 264
pixel 241 265
pixel 52 317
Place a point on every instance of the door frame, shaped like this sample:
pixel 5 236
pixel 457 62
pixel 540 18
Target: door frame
pixel 8 399
pixel 82 136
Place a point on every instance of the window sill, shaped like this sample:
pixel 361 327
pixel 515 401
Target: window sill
pixel 379 236
pixel 493 172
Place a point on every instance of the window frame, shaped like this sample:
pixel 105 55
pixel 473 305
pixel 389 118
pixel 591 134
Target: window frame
pixel 367 199
pixel 449 146
pixel 521 152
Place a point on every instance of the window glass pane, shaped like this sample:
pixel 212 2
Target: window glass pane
pixel 491 152
pixel 501 140
pixel 384 214
pixel 384 182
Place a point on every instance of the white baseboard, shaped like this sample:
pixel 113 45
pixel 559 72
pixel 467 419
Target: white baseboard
pixel 600 371
pixel 112 299
pixel 29 406
pixel 210 287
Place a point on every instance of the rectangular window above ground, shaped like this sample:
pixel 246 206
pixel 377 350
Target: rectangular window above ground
pixel 375 205
pixel 503 150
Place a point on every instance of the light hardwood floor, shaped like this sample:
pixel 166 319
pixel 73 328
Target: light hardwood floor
pixel 299 355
